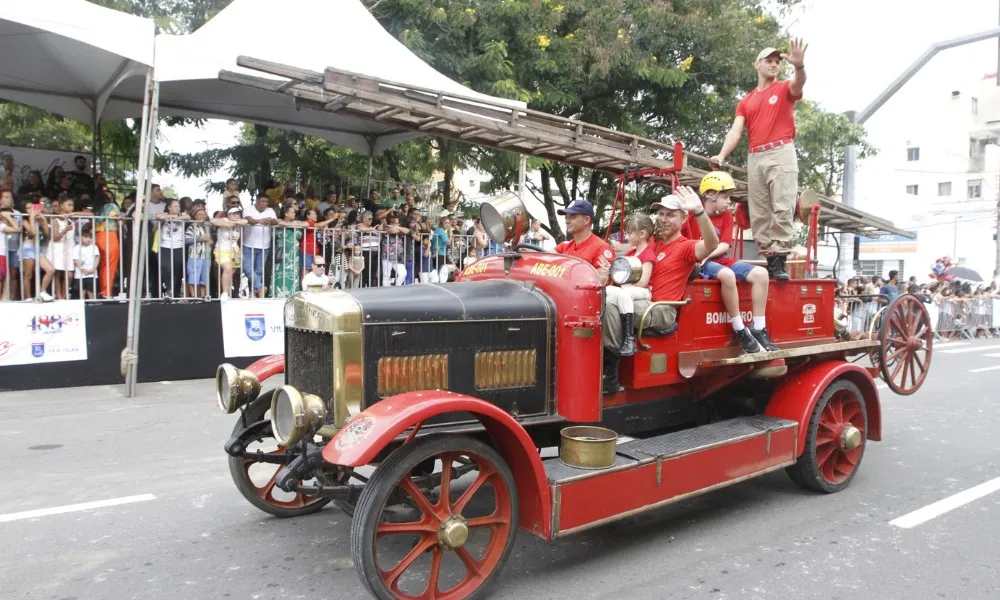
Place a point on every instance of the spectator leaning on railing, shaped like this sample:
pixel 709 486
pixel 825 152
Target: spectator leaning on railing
pixel 198 238
pixel 227 248
pixel 286 268
pixel 169 244
pixel 257 243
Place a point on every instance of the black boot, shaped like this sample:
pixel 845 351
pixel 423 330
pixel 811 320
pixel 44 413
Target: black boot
pixel 610 379
pixel 628 335
pixel 776 267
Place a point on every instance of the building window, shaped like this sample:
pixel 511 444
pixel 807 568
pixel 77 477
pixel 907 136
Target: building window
pixel 944 188
pixel 975 106
pixel 912 154
pixel 975 189
pixel 912 190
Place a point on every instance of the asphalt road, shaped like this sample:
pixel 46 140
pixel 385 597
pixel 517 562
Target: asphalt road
pixel 195 537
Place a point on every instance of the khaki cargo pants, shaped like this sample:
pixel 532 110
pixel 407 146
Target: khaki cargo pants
pixel 663 316
pixel 773 186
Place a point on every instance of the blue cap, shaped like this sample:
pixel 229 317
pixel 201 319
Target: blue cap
pixel 580 207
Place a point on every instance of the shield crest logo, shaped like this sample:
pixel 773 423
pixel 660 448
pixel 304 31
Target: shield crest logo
pixel 255 327
pixel 38 349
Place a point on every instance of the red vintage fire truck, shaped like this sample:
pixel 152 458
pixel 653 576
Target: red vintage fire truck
pixel 444 418
pixel 424 411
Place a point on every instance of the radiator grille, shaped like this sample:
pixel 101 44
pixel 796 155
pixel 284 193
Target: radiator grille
pixel 309 362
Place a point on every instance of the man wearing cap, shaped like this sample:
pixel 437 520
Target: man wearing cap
pixel 584 244
pixel 772 167
pixel 716 189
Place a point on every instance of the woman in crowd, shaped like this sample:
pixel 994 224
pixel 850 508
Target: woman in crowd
pixel 393 250
pixel 33 189
pixel 286 238
pixel 368 240
pixel 36 229
pixel 227 247
pixel 199 241
pixel 309 246
pixel 170 243
pixel 53 186
pixel 107 242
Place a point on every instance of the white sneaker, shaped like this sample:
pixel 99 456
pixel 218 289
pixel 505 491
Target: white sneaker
pixel 45 296
pixel 223 296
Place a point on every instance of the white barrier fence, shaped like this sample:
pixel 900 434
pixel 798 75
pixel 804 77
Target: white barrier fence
pixel 72 256
pixel 968 317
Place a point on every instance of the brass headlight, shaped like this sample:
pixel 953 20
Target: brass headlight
pixel 626 269
pixel 234 388
pixel 294 414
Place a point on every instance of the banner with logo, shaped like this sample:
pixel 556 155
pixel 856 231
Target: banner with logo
pixel 253 327
pixel 44 332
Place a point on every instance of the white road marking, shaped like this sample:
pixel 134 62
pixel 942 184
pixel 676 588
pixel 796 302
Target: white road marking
pixel 922 515
pixel 973 349
pixel 994 355
pixel 984 369
pixel 59 510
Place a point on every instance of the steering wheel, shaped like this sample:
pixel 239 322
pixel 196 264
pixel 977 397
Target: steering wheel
pixel 530 247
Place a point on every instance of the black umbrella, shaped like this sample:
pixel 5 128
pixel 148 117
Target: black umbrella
pixel 964 273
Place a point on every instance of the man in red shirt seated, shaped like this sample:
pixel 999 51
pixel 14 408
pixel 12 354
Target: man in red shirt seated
pixel 772 165
pixel 676 258
pixel 716 189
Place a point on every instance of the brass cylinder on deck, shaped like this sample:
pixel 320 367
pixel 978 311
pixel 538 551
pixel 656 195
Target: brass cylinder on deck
pixel 586 447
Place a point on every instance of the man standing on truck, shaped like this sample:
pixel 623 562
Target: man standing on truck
pixel 772 165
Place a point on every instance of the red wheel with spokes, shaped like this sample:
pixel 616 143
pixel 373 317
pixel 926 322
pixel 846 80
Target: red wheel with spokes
pixel 256 480
pixel 420 532
pixel 835 441
pixel 907 342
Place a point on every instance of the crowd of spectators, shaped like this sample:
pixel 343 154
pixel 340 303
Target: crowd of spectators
pixel 270 245
pixel 962 308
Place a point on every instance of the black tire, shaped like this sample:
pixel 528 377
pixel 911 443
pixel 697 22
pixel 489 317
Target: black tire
pixel 381 486
pixel 256 411
pixel 807 471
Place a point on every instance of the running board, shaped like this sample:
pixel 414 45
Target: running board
pixel 652 472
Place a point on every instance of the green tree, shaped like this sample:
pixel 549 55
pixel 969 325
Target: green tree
pixel 667 70
pixel 820 141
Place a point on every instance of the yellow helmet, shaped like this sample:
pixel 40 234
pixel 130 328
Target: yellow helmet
pixel 717 181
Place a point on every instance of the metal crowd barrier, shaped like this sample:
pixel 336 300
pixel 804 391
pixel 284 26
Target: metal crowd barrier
pixel 213 258
pixel 967 317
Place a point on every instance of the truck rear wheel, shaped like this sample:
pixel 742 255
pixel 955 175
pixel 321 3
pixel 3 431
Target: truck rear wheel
pixel 835 440
pixel 414 538
pixel 256 480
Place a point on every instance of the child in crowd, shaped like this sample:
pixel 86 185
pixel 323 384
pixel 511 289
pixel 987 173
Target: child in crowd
pixel 60 250
pixel 355 268
pixel 86 257
pixel 227 248
pixel 639 229
pixel 199 240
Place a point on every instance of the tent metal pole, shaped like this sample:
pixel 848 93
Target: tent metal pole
pixel 368 179
pixel 130 353
pixel 521 174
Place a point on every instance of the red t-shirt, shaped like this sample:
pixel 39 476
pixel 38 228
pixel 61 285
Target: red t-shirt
pixel 769 113
pixel 309 240
pixel 590 250
pixel 673 266
pixel 723 223
pixel 647 254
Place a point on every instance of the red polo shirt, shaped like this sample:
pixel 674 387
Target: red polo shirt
pixel 769 113
pixel 724 225
pixel 674 263
pixel 590 250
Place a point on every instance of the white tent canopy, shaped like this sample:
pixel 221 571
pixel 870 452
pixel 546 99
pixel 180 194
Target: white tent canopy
pixel 68 56
pixel 187 68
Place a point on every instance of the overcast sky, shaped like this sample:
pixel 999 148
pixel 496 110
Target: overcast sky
pixel 856 48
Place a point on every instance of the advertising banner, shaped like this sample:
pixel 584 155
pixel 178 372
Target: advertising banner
pixel 27 160
pixel 45 332
pixel 253 327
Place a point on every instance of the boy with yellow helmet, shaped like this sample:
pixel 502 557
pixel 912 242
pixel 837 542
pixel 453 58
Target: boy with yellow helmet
pixel 716 189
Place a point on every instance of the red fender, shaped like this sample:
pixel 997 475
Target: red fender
pixel 367 434
pixel 796 396
pixel 268 366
